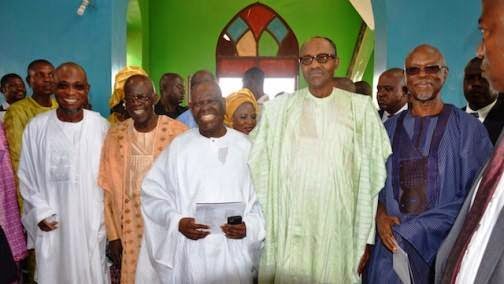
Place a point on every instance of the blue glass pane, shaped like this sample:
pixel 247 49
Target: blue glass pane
pixel 278 29
pixel 237 28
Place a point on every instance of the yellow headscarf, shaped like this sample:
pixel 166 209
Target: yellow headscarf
pixel 120 79
pixel 235 100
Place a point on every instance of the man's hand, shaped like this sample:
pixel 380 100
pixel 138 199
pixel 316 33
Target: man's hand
pixel 364 259
pixel 384 223
pixel 48 226
pixel 192 230
pixel 115 251
pixel 235 231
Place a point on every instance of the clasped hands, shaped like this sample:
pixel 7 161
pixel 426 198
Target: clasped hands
pixel 189 228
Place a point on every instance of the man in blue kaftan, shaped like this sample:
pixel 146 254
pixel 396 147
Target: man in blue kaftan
pixel 437 150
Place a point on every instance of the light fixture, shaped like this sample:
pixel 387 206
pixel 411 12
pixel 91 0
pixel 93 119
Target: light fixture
pixel 82 7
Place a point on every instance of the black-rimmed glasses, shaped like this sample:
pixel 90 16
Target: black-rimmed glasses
pixel 321 58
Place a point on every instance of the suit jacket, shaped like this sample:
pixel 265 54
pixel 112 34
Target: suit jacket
pixel 491 268
pixel 494 121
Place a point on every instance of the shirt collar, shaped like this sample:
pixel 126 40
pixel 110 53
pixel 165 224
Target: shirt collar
pixel 482 112
pixel 404 107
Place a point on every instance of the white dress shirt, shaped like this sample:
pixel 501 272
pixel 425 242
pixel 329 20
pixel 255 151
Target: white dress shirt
pixel 387 115
pixel 482 112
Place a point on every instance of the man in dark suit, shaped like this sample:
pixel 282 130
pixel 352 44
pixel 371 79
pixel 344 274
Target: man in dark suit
pixel 473 252
pixel 392 93
pixel 172 90
pixel 482 101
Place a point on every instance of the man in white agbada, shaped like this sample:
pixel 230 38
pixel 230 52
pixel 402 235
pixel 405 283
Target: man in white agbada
pixel 63 206
pixel 204 165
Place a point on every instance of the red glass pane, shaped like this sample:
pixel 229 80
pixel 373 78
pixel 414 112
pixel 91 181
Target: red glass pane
pixel 225 47
pixel 289 46
pixel 257 16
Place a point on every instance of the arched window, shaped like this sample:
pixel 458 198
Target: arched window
pixel 257 36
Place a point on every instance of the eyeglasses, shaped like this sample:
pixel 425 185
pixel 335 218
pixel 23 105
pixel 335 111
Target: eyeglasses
pixel 140 99
pixel 429 69
pixel 321 58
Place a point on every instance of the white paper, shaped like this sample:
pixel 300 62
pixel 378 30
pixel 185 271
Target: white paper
pixel 215 215
pixel 401 264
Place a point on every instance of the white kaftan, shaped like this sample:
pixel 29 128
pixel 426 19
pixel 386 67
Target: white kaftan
pixel 195 169
pixel 58 177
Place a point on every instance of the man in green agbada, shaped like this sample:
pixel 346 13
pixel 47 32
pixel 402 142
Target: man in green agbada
pixel 318 163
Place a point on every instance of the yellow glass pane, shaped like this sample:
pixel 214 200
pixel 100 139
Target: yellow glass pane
pixel 247 45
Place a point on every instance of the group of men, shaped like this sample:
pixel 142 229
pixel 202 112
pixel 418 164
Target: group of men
pixel 323 192
pixel 81 186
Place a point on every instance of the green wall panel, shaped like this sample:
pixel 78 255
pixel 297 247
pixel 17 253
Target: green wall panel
pixel 134 48
pixel 138 34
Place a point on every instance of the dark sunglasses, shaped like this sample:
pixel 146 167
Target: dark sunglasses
pixel 430 69
pixel 321 58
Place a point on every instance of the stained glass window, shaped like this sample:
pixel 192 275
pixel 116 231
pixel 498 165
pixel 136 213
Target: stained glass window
pixel 257 36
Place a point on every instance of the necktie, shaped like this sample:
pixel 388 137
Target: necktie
pixel 488 184
pixel 475 114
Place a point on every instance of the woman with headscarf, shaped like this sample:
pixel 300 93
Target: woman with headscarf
pixel 118 112
pixel 241 111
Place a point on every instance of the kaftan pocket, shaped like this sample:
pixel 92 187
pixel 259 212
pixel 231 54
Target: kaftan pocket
pixel 413 186
pixel 59 165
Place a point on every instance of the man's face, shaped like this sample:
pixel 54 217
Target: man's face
pixel 173 90
pixel 492 44
pixel 476 88
pixel 317 74
pixel 390 95
pixel 71 89
pixel 207 106
pixel 139 98
pixel 256 85
pixel 427 75
pixel 14 90
pixel 41 79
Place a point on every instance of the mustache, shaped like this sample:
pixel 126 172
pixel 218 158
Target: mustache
pixel 317 70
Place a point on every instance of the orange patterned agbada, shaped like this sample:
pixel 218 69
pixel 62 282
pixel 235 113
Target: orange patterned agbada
pixel 127 155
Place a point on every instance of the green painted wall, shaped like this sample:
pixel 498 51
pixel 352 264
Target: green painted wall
pixel 138 33
pixel 134 46
pixel 182 35
pixel 145 19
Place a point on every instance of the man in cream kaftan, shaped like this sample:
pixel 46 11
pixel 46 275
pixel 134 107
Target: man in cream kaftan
pixel 318 163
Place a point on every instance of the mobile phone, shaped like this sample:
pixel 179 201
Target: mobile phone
pixel 234 220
